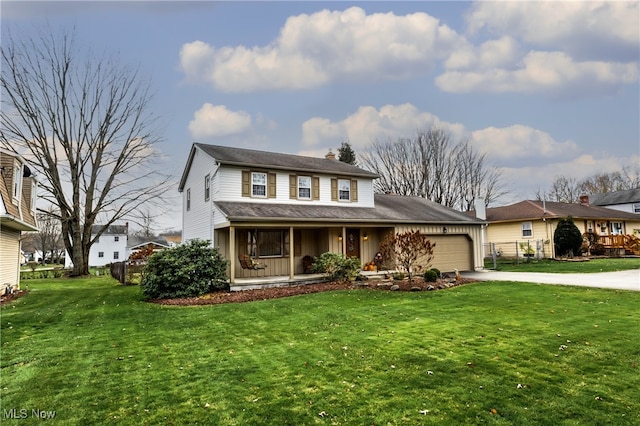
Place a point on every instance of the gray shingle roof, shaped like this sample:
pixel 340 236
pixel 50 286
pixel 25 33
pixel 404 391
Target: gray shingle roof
pixel 388 209
pixel 531 209
pixel 252 158
pixel 618 197
pixel 111 230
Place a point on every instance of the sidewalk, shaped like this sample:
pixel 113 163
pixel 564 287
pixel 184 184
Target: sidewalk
pixel 621 280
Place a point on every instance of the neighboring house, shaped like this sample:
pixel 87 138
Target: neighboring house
pixel 138 243
pixel 110 247
pixel 533 223
pixel 173 239
pixel 281 208
pixel 18 195
pixel 625 201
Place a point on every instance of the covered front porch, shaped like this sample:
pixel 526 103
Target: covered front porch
pixel 281 254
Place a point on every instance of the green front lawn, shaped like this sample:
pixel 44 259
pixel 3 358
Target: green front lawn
pixel 496 353
pixel 561 267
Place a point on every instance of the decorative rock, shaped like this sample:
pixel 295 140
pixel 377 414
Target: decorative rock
pixel 431 288
pixel 416 289
pixel 395 287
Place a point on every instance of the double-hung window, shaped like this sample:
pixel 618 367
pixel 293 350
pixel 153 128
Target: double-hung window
pixel 304 187
pixel 116 255
pixel 527 230
pixel 188 199
pixel 259 184
pixel 207 188
pixel 344 190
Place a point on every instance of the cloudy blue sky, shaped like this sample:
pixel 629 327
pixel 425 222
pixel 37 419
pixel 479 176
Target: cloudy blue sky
pixel 544 88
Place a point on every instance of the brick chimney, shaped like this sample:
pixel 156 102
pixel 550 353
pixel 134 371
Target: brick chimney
pixel 584 200
pixel 330 155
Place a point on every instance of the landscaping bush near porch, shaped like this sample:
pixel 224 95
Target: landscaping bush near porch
pixel 93 352
pixel 187 270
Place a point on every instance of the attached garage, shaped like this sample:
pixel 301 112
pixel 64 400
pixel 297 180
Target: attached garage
pixel 452 252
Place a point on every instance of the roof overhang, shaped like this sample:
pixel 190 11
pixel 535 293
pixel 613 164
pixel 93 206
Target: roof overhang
pixel 11 222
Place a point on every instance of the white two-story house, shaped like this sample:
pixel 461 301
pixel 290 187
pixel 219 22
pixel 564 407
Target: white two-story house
pixel 279 208
pixel 110 247
pixel 18 195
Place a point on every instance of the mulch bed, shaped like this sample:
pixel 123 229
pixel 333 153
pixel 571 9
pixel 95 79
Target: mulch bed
pixel 276 292
pixel 6 298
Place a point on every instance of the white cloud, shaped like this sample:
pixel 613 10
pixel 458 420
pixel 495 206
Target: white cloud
pixel 489 55
pixel 551 72
pixel 368 124
pixel 521 142
pixel 314 49
pixel 217 120
pixel 583 29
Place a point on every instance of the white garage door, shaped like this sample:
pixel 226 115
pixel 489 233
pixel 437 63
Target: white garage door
pixel 452 252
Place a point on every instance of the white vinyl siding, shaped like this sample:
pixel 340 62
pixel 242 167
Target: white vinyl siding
pixel 9 258
pixel 227 186
pixel 103 251
pixel 197 222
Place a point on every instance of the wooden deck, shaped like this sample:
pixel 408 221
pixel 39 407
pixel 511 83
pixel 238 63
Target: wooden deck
pixel 630 244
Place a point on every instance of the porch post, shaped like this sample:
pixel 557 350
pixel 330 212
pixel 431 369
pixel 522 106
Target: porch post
pixel 344 241
pixel 292 253
pixel 232 254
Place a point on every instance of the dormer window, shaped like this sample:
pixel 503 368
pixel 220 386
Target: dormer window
pixel 304 187
pixel 258 184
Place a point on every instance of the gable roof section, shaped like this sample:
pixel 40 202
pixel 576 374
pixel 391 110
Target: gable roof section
pixel 618 197
pixel 242 157
pixel 135 242
pixel 534 210
pixel 111 230
pixel 389 209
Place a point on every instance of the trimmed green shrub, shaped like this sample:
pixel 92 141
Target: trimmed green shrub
pixel 567 238
pixel 431 276
pixel 437 271
pixel 187 270
pixel 336 267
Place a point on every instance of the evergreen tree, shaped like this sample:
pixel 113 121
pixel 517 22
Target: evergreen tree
pixel 346 154
pixel 567 238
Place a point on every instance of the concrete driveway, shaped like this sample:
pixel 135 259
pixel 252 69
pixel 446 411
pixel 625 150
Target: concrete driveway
pixel 621 280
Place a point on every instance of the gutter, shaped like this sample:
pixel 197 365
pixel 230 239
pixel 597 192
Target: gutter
pixel 8 220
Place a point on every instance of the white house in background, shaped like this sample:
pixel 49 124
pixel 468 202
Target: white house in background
pixel 625 201
pixel 18 195
pixel 282 209
pixel 110 247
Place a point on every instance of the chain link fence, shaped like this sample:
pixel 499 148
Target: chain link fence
pixel 518 251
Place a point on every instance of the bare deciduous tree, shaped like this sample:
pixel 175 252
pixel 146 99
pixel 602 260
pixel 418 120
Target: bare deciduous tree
pixel 568 190
pixel 432 167
pixel 86 124
pixel 49 236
